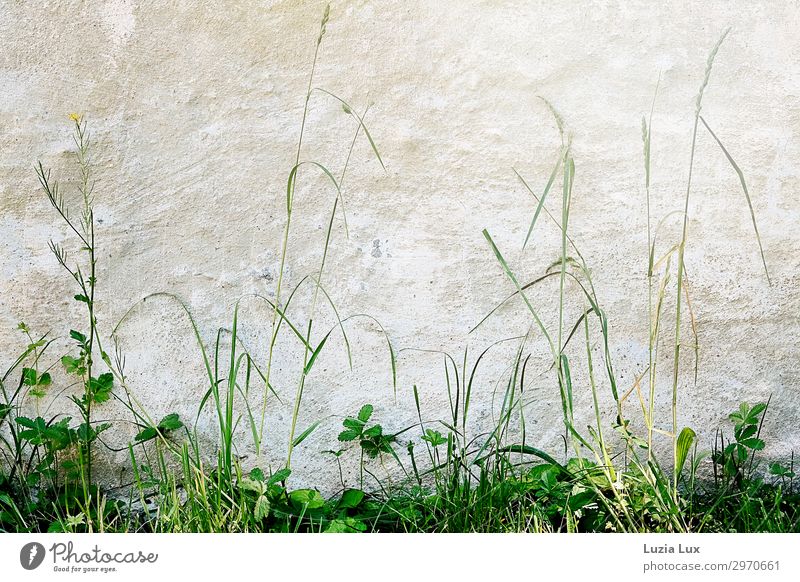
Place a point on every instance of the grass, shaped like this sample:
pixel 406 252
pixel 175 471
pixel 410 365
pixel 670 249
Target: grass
pixel 431 476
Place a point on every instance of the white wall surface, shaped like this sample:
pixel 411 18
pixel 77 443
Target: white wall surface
pixel 194 109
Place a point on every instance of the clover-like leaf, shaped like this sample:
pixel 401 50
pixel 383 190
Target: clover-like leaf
pixel 365 413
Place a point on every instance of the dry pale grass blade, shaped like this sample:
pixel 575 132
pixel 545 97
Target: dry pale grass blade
pixel 742 181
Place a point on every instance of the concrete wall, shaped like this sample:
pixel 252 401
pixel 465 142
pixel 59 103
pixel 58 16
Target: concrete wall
pixel 194 109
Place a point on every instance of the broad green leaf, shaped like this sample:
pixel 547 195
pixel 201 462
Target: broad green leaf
pixel 351 498
pixel 310 498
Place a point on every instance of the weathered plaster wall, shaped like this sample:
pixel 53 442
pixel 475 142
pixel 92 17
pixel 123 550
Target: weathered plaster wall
pixel 194 108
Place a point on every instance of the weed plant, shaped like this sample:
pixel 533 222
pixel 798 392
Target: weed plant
pixel 437 476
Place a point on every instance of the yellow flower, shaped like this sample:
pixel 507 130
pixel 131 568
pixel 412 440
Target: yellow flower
pixel 76 117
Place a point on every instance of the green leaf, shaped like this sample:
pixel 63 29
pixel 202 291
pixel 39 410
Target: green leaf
pixel 365 413
pixel 685 440
pixel 170 422
pixel 26 422
pixel 305 434
pixel 351 498
pixel 373 431
pixel 756 411
pixel 100 387
pixel 581 500
pixel 371 449
pixel 77 336
pixel 434 437
pixel 780 471
pixel 279 476
pixel 251 485
pixel 754 444
pixel 167 424
pixel 310 498
pixel 353 424
pixel 345 525
pixel 44 379
pixel 73 365
pixel 262 508
pixel 349 435
pixel 82 298
pixel 314 355
pixel 146 434
pixel 29 376
pixel 746 432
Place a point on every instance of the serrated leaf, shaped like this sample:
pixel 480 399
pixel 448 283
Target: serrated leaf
pixel 37 392
pixel 756 411
pixel 365 413
pixel 73 365
pixel 100 387
pixel 353 424
pixel 755 444
pixel 262 508
pixel 348 435
pixel 25 421
pixel 373 431
pixel 44 380
pixel 780 471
